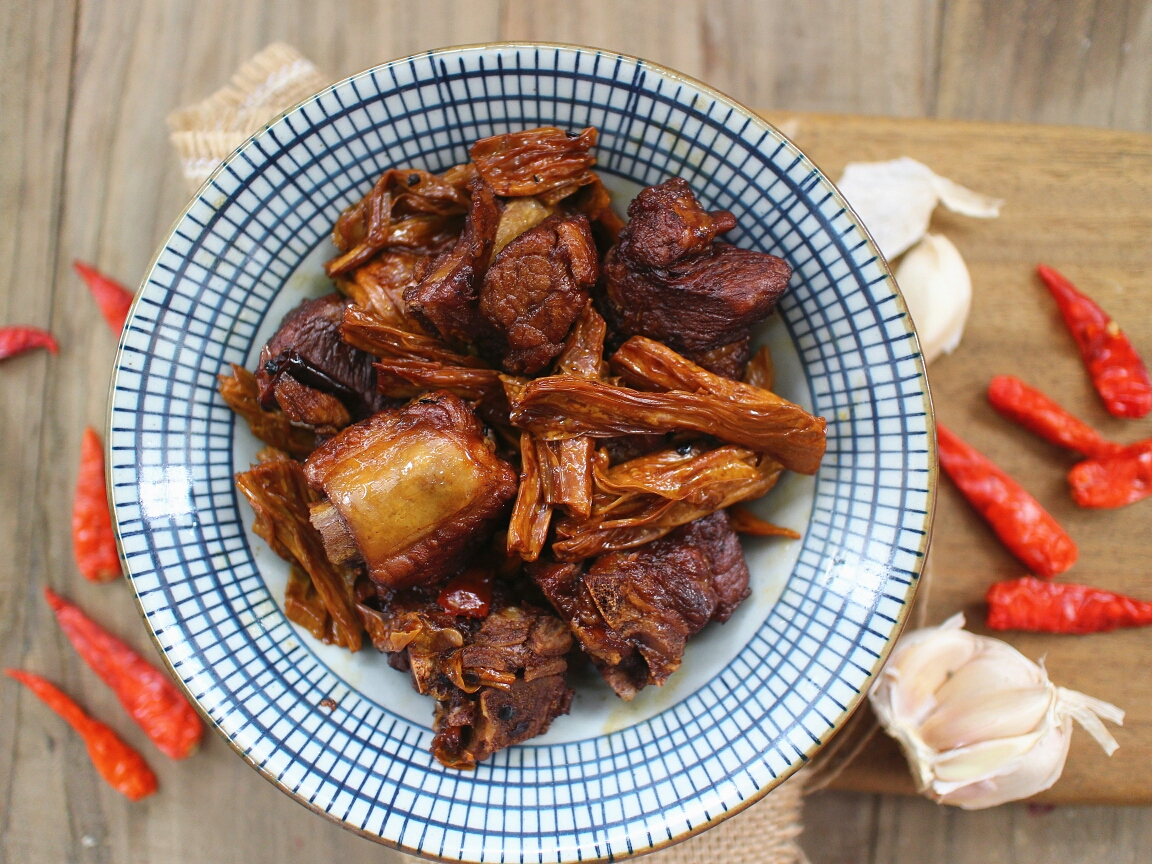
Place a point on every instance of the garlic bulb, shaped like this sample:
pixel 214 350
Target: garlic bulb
pixel 895 199
pixel 938 292
pixel 979 722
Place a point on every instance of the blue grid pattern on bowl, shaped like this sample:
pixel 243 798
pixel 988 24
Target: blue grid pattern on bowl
pixel 195 577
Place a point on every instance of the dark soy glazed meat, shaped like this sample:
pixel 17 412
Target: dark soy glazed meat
pixel 446 299
pixel 535 290
pixel 307 347
pixel 414 491
pixel 496 682
pixel 633 611
pixel 670 279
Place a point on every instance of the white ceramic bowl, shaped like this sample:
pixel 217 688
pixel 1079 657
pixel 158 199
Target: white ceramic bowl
pixel 754 699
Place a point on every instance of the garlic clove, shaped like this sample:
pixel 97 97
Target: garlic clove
pixel 922 672
pixel 962 200
pixel 973 715
pixel 895 200
pixel 985 760
pixel 979 723
pixel 1032 771
pixel 938 292
pixel 997 666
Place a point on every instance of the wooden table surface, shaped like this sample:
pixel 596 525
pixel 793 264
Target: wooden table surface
pixel 86 172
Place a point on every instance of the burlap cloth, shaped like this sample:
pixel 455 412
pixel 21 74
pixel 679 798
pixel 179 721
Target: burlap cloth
pixel 204 134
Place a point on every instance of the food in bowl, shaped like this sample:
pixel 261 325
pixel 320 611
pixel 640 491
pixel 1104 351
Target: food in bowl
pixel 507 443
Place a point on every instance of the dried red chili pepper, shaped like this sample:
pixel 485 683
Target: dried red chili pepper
pixel 1113 481
pixel 1026 528
pixel 469 593
pixel 1037 413
pixel 145 692
pixel 1061 607
pixel 114 299
pixel 92 539
pixel 18 340
pixel 1117 371
pixel 121 767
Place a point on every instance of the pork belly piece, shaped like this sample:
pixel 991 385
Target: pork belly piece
pixel 416 489
pixel 446 300
pixel 535 290
pixel 308 349
pixel 634 611
pixel 496 682
pixel 670 279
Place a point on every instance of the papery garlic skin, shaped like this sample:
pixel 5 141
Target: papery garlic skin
pixel 979 722
pixel 895 200
pixel 938 292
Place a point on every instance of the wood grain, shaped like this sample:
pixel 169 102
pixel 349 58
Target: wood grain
pixel 1068 61
pixel 869 57
pixel 85 171
pixel 37 47
pixel 1080 200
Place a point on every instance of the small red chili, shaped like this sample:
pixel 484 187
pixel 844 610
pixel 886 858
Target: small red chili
pixel 92 538
pixel 114 299
pixel 1117 371
pixel 1037 413
pixel 121 767
pixel 19 340
pixel 1113 481
pixel 469 593
pixel 146 694
pixel 1061 607
pixel 1026 528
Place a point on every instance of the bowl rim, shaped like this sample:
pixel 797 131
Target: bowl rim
pixel 855 703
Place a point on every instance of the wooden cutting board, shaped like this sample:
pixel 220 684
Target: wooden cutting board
pixel 1079 200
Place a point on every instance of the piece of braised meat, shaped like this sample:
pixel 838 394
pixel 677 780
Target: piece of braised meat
pixel 411 492
pixel 306 361
pixel 446 300
pixel 496 682
pixel 536 288
pixel 670 279
pixel 616 658
pixel 633 611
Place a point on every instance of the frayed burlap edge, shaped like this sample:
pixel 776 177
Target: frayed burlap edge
pixel 205 134
pixel 765 833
